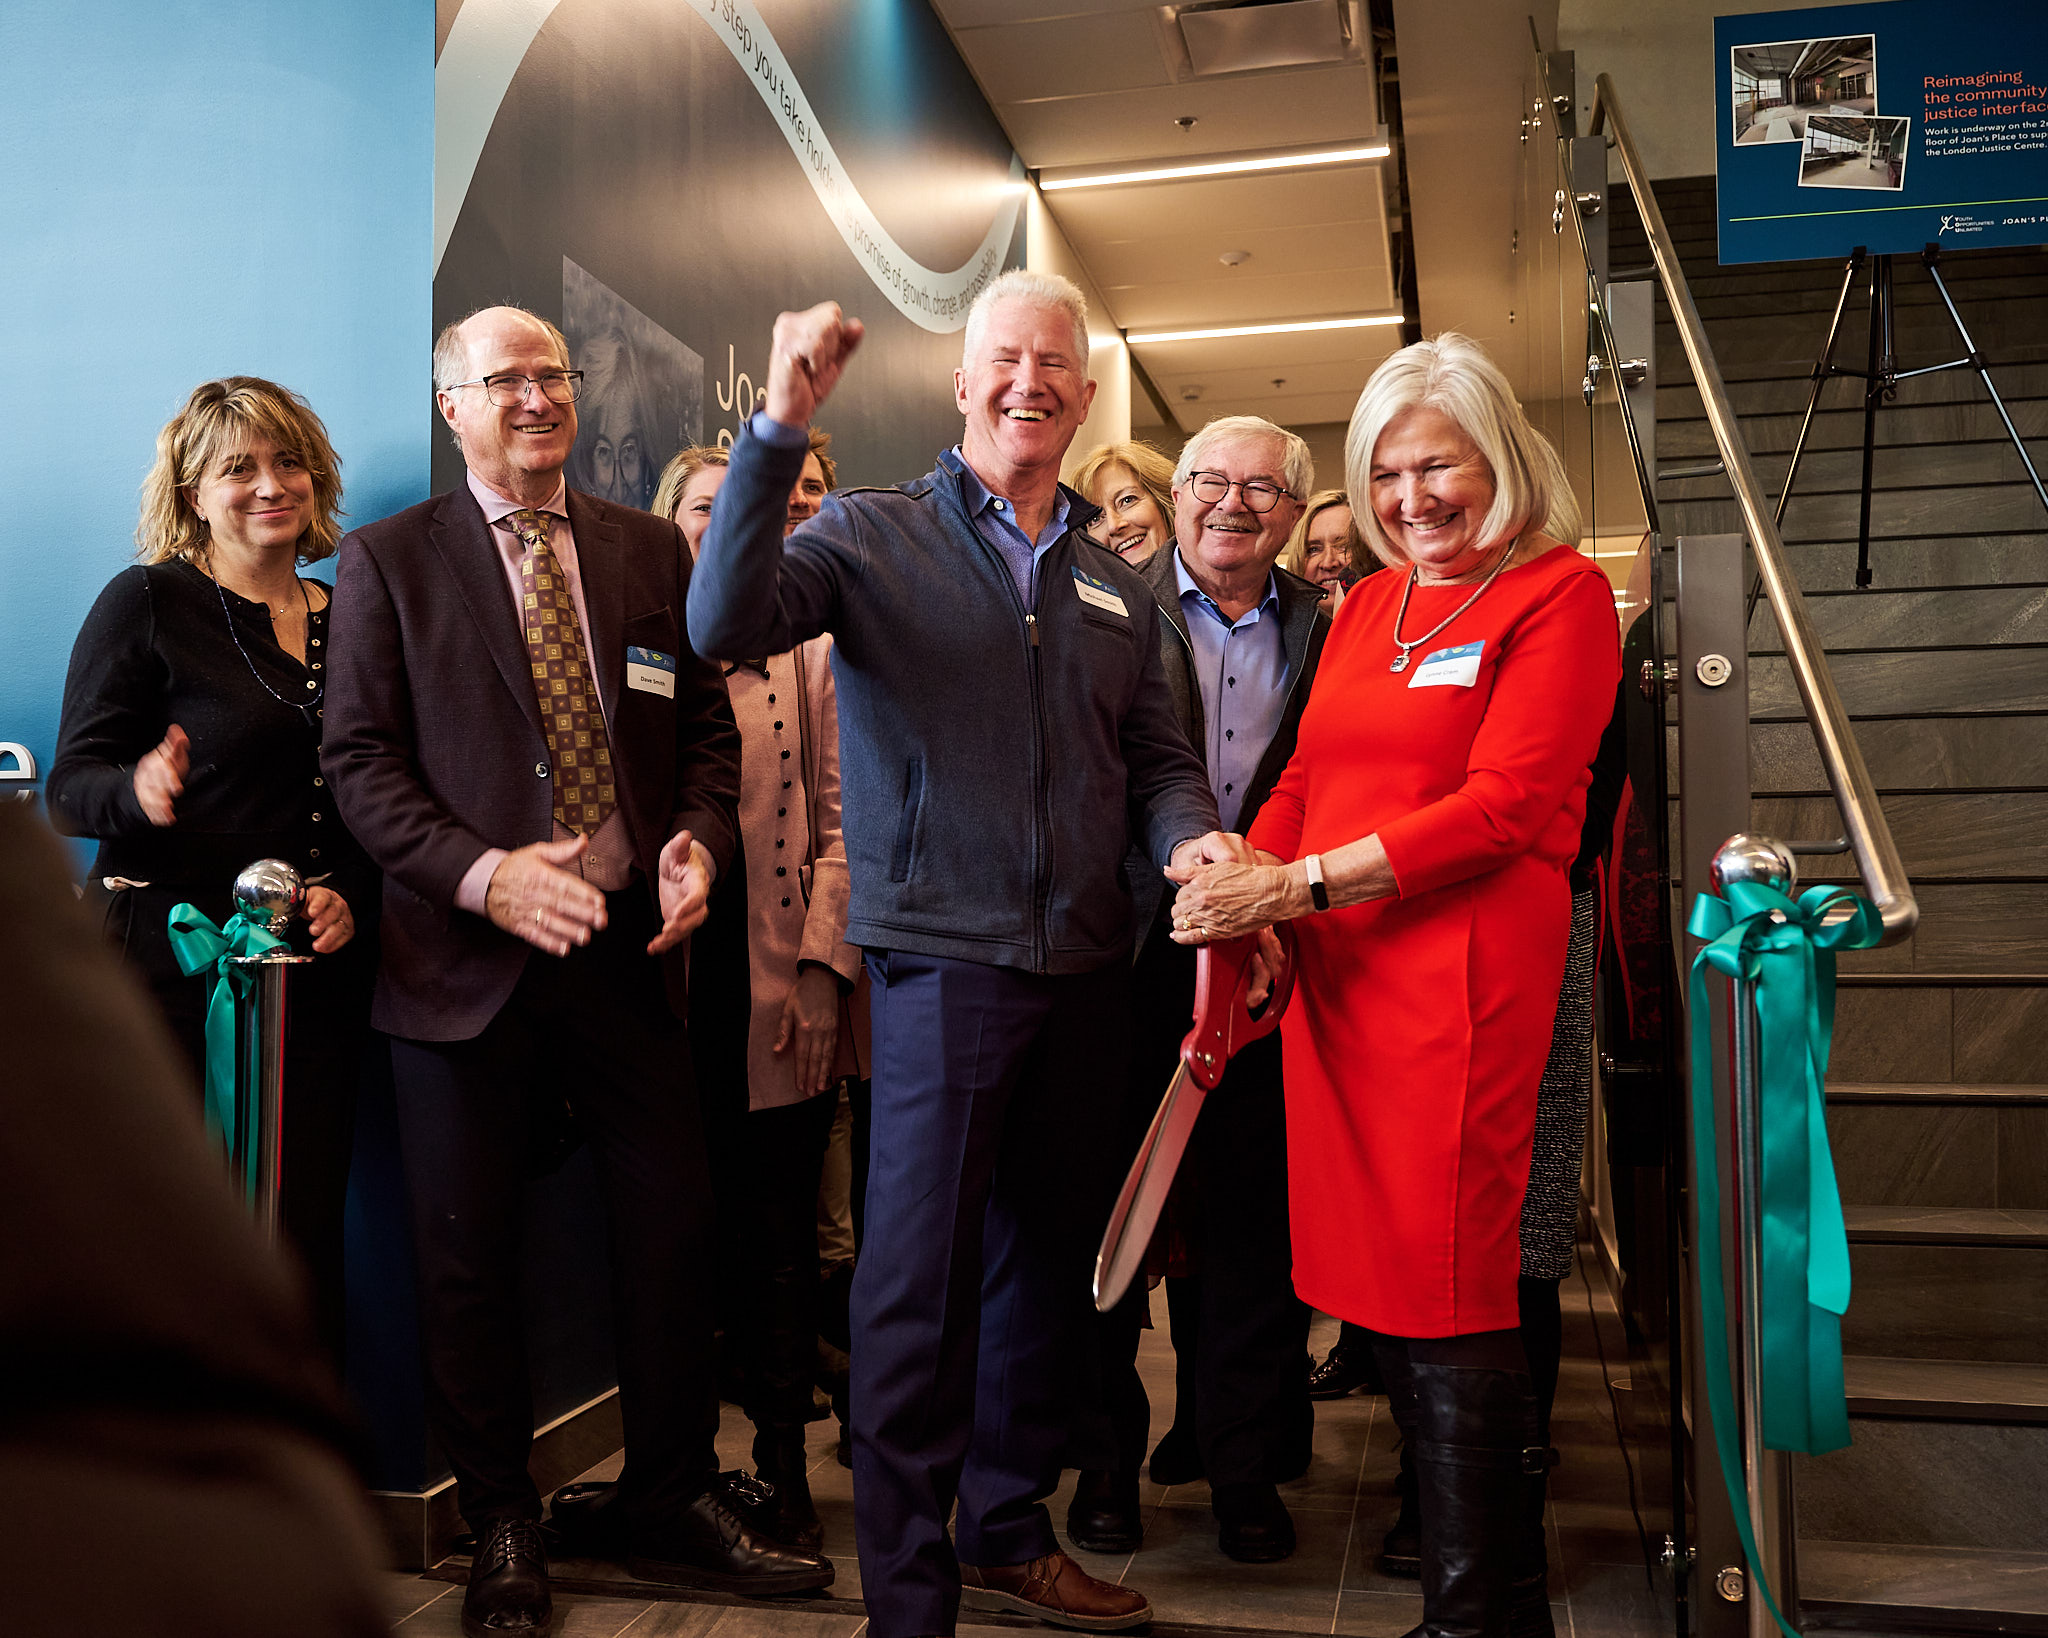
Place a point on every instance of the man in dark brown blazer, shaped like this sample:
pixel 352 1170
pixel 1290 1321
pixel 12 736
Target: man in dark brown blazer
pixel 519 735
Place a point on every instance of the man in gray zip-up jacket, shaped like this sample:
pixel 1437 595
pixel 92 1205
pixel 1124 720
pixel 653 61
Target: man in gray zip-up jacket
pixel 1005 730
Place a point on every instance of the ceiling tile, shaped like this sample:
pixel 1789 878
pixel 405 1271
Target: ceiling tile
pixel 1178 358
pixel 1320 106
pixel 1196 253
pixel 1335 193
pixel 1068 56
pixel 1204 301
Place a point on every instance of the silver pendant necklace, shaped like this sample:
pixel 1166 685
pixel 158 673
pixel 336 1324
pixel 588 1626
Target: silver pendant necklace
pixel 1407 648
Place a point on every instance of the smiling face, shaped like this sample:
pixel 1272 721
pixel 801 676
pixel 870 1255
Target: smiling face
pixel 693 505
pixel 518 451
pixel 1326 553
pixel 808 495
pixel 1131 524
pixel 1025 394
pixel 1226 537
pixel 1431 492
pixel 257 498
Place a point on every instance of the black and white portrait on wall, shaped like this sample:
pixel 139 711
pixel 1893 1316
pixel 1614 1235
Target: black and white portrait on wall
pixel 643 392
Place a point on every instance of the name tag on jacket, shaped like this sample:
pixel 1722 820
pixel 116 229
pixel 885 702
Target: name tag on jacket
pixel 651 671
pixel 1099 594
pixel 1449 667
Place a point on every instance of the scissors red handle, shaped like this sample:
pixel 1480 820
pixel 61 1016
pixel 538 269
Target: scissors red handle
pixel 1223 1023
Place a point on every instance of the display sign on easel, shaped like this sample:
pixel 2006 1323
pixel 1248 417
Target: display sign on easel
pixel 1858 132
pixel 1890 126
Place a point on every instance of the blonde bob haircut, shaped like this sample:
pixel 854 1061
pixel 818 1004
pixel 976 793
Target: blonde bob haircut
pixel 1294 555
pixel 224 418
pixel 1153 471
pixel 1452 374
pixel 676 476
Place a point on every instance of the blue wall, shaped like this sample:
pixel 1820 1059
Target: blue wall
pixel 192 190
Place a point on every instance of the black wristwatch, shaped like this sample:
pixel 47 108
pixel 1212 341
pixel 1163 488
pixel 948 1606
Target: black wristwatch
pixel 1319 895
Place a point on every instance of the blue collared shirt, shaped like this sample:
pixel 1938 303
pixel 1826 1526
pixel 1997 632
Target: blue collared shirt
pixel 995 520
pixel 1241 667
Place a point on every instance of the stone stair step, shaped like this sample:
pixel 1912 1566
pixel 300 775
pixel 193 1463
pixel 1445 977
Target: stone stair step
pixel 1894 1588
pixel 1994 505
pixel 1784 389
pixel 1952 1390
pixel 1911 753
pixel 1969 1029
pixel 1900 618
pixel 1922 1156
pixel 1968 418
pixel 1965 927
pixel 1947 1226
pixel 1989 1094
pixel 1948 1302
pixel 1982 834
pixel 1989 681
pixel 1840 471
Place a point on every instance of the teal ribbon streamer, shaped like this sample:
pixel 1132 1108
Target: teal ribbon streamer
pixel 1785 948
pixel 199 944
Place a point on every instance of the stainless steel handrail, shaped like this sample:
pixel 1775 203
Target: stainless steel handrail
pixel 1870 837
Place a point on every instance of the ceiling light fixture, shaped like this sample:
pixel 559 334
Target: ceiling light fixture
pixel 1220 167
pixel 1225 331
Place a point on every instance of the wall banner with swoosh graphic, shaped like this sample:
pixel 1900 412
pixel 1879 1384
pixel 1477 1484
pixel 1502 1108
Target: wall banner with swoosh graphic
pixel 1890 126
pixel 663 177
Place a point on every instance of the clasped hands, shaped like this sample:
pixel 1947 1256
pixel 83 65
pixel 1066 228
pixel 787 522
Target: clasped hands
pixel 534 894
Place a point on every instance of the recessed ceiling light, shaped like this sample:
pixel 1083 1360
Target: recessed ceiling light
pixel 1225 331
pixel 1220 167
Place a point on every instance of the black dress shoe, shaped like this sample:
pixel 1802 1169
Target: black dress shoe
pixel 587 1521
pixel 711 1544
pixel 783 1469
pixel 1176 1459
pixel 1345 1372
pixel 1104 1517
pixel 507 1595
pixel 1253 1524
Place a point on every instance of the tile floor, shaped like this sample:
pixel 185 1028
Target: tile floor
pixel 1600 1585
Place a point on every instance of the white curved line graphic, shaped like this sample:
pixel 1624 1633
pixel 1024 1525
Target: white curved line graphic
pixel 488 41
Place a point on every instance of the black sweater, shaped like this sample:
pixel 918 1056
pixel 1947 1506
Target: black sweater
pixel 155 650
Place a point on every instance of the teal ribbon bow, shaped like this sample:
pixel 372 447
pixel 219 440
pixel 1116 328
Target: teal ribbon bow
pixel 199 944
pixel 1785 948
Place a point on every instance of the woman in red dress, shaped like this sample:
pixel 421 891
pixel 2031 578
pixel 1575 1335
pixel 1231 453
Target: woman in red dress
pixel 1420 839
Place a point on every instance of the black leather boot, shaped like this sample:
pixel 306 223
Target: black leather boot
pixel 780 1459
pixel 1475 1451
pixel 1400 1551
pixel 1529 1592
pixel 1104 1516
pixel 1351 1365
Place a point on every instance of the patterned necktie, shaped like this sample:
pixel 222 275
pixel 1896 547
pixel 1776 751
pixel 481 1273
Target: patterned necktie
pixel 562 680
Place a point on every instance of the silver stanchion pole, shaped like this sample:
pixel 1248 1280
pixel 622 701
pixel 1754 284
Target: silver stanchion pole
pixel 270 893
pixel 1767 1474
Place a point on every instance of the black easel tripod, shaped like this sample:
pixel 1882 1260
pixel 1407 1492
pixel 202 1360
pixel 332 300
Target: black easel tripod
pixel 1881 378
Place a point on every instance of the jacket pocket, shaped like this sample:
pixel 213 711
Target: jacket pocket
pixel 906 823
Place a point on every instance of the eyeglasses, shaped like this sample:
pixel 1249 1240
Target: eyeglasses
pixel 508 391
pixel 1211 487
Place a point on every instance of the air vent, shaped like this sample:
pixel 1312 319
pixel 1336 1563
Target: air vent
pixel 1246 37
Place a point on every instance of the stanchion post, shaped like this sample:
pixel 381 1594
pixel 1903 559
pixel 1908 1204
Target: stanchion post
pixel 269 893
pixel 1766 1473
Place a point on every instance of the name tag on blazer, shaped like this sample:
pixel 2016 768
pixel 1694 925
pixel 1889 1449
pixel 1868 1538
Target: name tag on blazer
pixel 1098 594
pixel 651 671
pixel 1449 667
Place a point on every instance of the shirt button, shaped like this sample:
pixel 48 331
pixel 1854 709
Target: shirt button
pixel 316 642
pixel 785 756
pixel 318 712
pixel 317 780
pixel 540 770
pixel 778 727
pixel 312 853
pixel 316 665
pixel 998 505
pixel 317 817
pixel 311 684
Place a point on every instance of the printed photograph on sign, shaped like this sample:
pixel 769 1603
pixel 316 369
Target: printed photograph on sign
pixel 1778 88
pixel 643 392
pixel 1841 152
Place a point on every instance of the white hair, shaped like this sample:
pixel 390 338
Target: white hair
pixel 1039 290
pixel 1297 466
pixel 1453 375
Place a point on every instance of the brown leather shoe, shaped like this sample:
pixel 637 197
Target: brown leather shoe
pixel 1055 1589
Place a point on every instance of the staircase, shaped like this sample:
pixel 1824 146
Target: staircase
pixel 1936 1519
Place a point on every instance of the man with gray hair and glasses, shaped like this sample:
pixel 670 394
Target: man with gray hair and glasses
pixel 1006 733
pixel 1239 641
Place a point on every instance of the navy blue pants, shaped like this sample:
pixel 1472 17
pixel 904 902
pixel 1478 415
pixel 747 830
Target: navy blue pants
pixel 997 1095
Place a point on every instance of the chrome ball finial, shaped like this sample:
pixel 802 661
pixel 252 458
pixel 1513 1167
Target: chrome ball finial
pixel 1748 858
pixel 270 892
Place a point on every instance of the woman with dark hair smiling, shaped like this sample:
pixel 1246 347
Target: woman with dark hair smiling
pixel 1420 840
pixel 190 747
